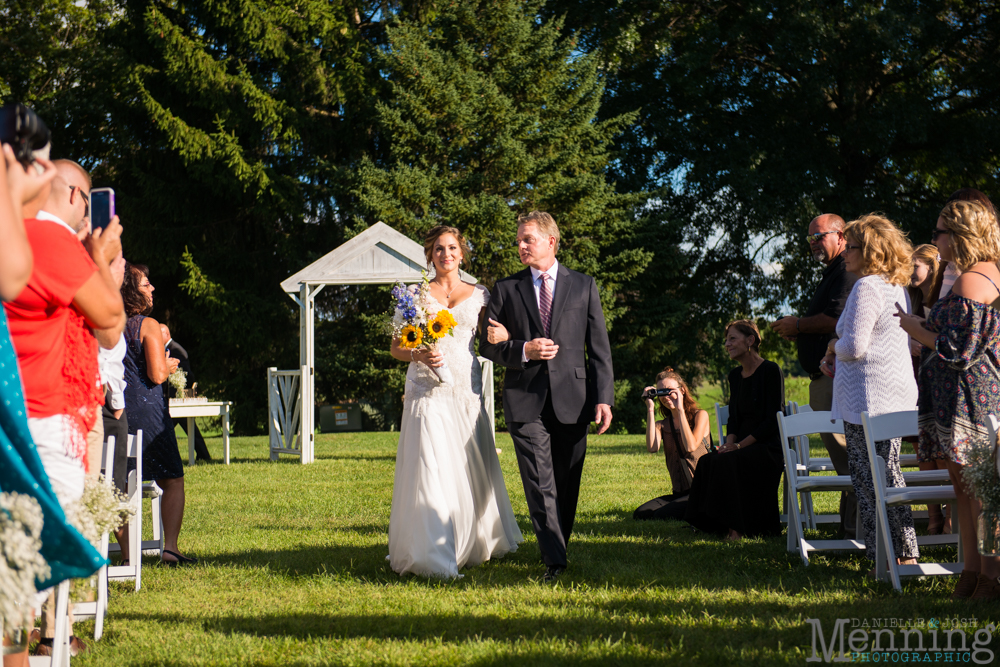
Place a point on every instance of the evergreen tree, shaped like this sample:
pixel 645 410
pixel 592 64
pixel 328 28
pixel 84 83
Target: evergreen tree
pixel 491 113
pixel 229 127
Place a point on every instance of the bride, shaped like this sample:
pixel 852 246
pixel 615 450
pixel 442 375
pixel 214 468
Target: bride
pixel 450 507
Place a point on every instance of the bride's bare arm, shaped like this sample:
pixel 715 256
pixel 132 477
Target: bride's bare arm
pixel 431 358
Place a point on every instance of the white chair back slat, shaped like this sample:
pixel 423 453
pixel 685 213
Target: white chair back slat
pixel 808 423
pixel 108 461
pixel 721 419
pixel 893 425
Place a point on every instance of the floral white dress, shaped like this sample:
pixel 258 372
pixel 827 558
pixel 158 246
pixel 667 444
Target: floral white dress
pixel 450 507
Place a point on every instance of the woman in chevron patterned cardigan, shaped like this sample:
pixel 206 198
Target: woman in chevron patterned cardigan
pixel 873 369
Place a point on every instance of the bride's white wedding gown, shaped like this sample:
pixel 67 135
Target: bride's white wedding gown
pixel 450 507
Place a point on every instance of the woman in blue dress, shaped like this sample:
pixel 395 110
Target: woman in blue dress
pixel 147 367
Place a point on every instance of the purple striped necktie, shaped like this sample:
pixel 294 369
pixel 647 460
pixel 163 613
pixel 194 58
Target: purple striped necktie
pixel 545 303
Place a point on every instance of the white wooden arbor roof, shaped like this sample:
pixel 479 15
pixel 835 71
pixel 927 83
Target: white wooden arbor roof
pixel 378 255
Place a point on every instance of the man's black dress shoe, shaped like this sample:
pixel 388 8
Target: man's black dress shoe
pixel 552 572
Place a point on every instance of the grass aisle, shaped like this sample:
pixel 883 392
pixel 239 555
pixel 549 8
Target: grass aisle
pixel 293 572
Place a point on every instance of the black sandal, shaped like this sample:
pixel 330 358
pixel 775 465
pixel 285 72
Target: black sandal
pixel 181 560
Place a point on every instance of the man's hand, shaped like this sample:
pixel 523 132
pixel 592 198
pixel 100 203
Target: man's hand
pixel 541 349
pixel 603 417
pixel 104 245
pixel 785 327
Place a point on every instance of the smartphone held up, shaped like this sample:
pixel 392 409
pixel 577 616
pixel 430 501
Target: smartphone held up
pixel 102 207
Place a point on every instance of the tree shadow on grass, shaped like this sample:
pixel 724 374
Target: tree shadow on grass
pixel 720 630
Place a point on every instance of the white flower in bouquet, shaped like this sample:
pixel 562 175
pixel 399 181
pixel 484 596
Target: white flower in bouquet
pixel 100 510
pixel 21 563
pixel 178 380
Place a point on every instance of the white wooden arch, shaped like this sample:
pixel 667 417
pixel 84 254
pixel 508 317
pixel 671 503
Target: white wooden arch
pixel 377 256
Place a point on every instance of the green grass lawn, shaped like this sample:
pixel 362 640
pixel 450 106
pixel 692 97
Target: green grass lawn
pixel 293 572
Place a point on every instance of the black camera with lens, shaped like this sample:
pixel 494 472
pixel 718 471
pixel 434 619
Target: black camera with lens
pixel 653 393
pixel 24 131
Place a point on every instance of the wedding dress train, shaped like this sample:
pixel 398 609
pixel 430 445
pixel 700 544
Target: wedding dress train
pixel 450 507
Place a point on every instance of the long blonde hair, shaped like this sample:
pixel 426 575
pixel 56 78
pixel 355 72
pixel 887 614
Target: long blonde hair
pixel 884 248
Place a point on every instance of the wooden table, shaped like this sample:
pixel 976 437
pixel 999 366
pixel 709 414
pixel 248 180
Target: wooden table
pixel 180 409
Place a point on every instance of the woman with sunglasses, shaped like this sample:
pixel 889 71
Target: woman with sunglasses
pixel 873 369
pixel 685 437
pixel 960 371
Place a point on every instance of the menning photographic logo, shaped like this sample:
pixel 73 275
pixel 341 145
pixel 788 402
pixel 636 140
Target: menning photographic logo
pixel 902 640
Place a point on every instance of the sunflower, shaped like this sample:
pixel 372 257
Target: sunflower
pixel 442 324
pixel 411 337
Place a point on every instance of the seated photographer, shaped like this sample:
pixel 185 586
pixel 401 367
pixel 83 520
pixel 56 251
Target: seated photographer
pixel 735 490
pixel 685 436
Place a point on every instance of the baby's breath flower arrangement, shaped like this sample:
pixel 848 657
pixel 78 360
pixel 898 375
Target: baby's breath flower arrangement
pixel 980 474
pixel 178 380
pixel 100 510
pixel 20 560
pixel 416 326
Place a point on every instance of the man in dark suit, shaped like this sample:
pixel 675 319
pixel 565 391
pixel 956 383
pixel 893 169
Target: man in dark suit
pixel 559 378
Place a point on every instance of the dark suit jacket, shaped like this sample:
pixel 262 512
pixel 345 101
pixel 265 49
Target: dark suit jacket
pixel 580 376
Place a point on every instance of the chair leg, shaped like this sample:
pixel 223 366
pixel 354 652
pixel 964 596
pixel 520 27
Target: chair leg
pixel 101 607
pixel 157 520
pixel 135 542
pixel 885 553
pixel 60 642
pixel 792 534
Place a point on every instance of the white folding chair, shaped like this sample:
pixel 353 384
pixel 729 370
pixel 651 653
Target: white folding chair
pixel 886 427
pixel 136 491
pixel 799 482
pixel 98 609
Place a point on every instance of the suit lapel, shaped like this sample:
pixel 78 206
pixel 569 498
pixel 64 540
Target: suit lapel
pixel 564 285
pixel 527 291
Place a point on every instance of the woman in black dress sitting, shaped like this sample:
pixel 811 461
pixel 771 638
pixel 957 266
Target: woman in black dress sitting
pixel 685 436
pixel 735 490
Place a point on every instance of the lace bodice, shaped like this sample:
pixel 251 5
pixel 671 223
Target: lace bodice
pixel 421 382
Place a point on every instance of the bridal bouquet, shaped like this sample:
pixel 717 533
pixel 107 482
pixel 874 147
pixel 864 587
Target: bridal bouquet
pixel 416 326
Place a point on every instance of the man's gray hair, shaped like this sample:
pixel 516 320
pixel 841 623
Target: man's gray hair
pixel 546 224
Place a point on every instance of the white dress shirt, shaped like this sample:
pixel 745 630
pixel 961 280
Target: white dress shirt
pixel 536 281
pixel 110 364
